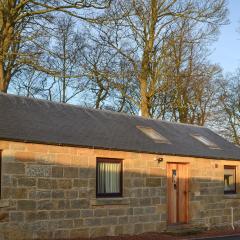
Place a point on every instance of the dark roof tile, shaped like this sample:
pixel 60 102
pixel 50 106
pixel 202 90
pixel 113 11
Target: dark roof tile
pixel 31 120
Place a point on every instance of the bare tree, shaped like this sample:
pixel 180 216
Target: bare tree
pixel 29 83
pixel 229 100
pixel 22 22
pixel 110 77
pixel 64 55
pixel 138 30
pixel 188 77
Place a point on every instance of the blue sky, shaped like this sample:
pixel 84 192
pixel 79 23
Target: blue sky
pixel 226 51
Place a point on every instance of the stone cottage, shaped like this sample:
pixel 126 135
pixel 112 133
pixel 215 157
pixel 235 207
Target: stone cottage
pixel 68 171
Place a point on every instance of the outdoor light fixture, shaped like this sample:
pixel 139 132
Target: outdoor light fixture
pixel 159 160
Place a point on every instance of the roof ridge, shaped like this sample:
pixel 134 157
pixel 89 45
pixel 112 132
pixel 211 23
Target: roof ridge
pixel 97 110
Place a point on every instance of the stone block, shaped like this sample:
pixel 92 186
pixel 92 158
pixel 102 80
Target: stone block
pixel 16 216
pixel 80 203
pixel 117 211
pixel 84 192
pixel 57 172
pixel 138 211
pixel 6 180
pixel 34 216
pixel 81 232
pixel 138 228
pixel 80 183
pixel 13 168
pixel 148 227
pixel 71 194
pixel 44 194
pixel 150 210
pixel 45 205
pixel 65 223
pixel 99 231
pixel 72 214
pixel 118 230
pixel 57 214
pixel 92 222
pixel 156 200
pixel 25 156
pixel 46 183
pixel 58 194
pixel 39 148
pixel 4 145
pixel 38 171
pixel 138 182
pixel 26 205
pixel 80 160
pixel 64 204
pixel 144 219
pixel 64 183
pixel 78 222
pixel 70 172
pixel 109 220
pixel 100 212
pixel 128 229
pixel 157 172
pixel 123 220
pixel 87 213
pixel 145 201
pixel 26 182
pixel 86 172
pixel 19 193
pixel 6 193
pixel 153 182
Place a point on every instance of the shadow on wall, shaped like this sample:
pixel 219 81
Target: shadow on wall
pixel 54 196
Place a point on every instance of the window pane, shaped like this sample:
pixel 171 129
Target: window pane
pixel 153 134
pixel 205 141
pixel 109 177
pixel 229 180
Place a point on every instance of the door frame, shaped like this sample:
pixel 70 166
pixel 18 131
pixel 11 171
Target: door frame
pixel 186 194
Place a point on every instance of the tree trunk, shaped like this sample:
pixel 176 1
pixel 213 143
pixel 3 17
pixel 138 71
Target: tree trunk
pixel 144 76
pixel 144 99
pixel 3 82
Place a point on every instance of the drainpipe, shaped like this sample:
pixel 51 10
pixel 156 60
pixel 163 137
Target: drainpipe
pixel 232 222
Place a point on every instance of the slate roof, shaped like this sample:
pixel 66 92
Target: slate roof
pixel 39 121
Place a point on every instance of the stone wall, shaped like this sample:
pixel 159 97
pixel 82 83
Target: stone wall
pixel 49 192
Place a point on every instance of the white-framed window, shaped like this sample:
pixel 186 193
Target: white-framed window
pixel 153 134
pixel 229 179
pixel 206 141
pixel 109 177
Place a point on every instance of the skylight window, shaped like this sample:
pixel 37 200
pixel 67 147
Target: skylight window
pixel 206 142
pixel 154 135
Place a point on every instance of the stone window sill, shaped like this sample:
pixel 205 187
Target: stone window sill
pixel 232 196
pixel 109 201
pixel 4 203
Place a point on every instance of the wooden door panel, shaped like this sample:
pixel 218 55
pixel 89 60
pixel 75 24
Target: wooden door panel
pixel 172 194
pixel 183 193
pixel 177 193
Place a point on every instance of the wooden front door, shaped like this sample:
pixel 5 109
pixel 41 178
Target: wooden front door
pixel 177 193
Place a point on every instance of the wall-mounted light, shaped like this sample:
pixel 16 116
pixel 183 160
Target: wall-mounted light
pixel 159 160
